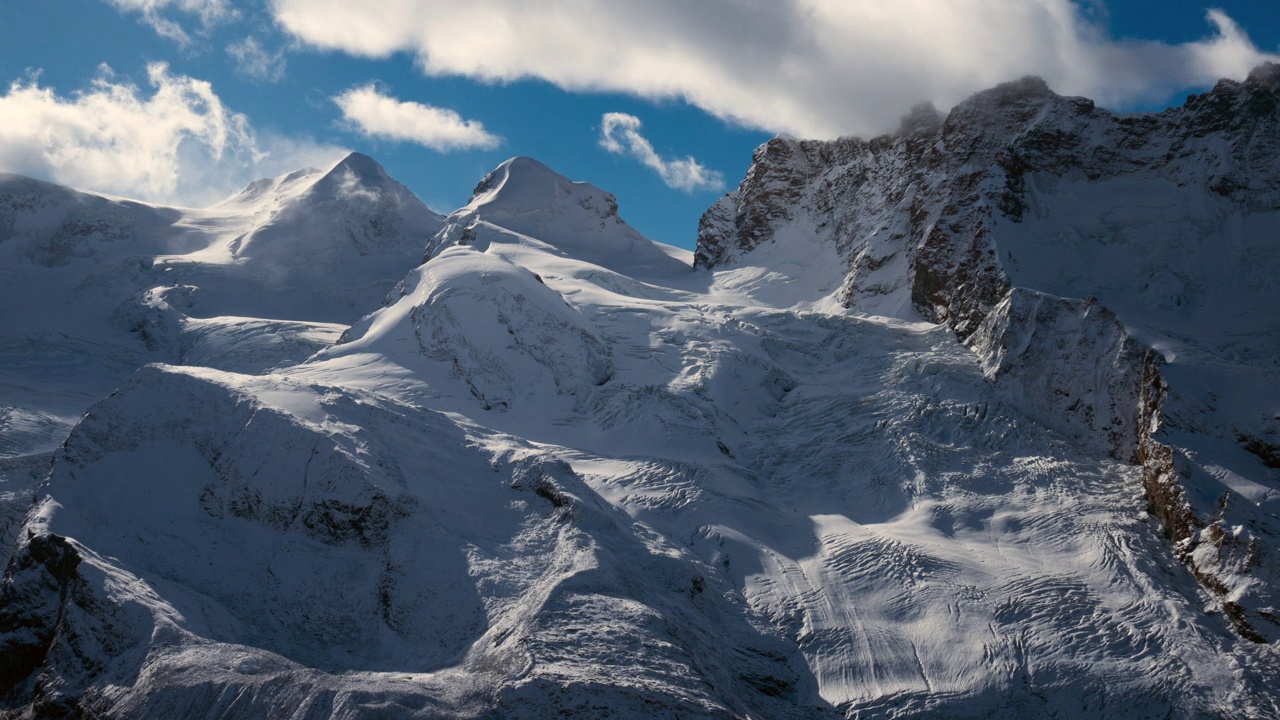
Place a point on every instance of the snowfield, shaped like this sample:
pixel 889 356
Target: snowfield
pixel 559 472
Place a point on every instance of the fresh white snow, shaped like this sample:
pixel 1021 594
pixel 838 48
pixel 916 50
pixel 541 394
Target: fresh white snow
pixel 558 471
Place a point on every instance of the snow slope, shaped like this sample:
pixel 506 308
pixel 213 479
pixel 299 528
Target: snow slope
pixel 93 287
pixel 560 473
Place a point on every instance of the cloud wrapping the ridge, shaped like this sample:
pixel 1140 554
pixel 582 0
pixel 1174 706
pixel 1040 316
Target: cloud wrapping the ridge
pixel 380 116
pixel 620 134
pixel 255 62
pixel 210 12
pixel 815 68
pixel 178 144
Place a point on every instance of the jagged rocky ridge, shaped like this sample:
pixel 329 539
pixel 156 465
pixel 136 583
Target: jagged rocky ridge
pixel 1024 221
pixel 558 472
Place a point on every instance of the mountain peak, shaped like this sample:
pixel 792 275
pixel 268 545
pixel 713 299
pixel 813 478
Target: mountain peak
pixel 524 197
pixel 354 173
pixel 1261 82
pixel 356 170
pixel 320 222
pixel 520 172
pixel 1264 77
pixel 524 185
pixel 361 165
pixel 524 165
pixel 1027 90
pixel 924 117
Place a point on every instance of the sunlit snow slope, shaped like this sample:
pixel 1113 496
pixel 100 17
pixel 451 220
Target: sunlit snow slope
pixel 92 287
pixel 561 473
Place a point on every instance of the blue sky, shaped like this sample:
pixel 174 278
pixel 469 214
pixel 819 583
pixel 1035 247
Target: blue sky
pixel 451 89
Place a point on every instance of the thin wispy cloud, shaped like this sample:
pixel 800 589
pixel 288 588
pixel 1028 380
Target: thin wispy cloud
pixel 376 115
pixel 814 68
pixel 175 142
pixel 157 14
pixel 255 62
pixel 620 134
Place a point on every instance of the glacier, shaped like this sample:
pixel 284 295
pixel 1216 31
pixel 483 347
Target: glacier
pixel 972 420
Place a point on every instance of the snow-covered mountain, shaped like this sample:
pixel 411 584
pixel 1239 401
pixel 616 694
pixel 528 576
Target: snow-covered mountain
pixel 1116 273
pixel 937 427
pixel 94 287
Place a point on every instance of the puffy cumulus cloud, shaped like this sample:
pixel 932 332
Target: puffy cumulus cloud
pixel 176 144
pixel 620 134
pixel 377 115
pixel 817 68
pixel 255 62
pixel 155 13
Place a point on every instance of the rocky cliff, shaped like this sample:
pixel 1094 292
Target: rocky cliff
pixel 1078 251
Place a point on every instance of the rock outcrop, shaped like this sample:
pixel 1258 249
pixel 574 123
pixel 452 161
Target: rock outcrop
pixel 1064 242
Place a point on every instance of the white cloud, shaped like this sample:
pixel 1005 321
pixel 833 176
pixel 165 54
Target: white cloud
pixel 256 63
pixel 210 12
pixel 620 134
pixel 177 144
pixel 380 116
pixel 815 68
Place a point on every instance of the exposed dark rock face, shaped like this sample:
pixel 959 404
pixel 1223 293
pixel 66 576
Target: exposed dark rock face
pixel 1069 363
pixel 933 190
pixel 36 585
